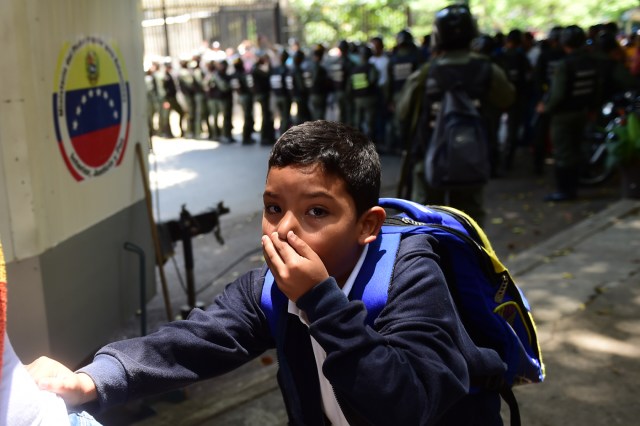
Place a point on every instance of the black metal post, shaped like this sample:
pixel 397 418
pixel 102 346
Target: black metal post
pixel 187 248
pixel 143 282
pixel 167 50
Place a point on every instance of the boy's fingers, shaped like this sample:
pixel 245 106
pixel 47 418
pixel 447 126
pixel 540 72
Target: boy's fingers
pixel 299 245
pixel 271 255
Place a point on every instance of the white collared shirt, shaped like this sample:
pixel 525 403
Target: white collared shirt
pixel 329 403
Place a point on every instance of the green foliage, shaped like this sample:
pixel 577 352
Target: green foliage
pixel 623 142
pixel 328 21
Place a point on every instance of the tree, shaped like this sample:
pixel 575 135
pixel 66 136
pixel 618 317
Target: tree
pixel 328 21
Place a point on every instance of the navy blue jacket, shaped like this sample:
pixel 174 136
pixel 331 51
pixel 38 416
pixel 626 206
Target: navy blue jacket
pixel 413 367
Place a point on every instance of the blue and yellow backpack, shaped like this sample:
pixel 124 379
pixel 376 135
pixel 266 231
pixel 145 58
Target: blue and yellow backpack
pixel 493 309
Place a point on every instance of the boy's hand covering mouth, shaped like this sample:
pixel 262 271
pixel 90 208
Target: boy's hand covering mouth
pixel 294 265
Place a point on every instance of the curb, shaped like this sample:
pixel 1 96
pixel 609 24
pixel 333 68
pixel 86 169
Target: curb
pixel 527 260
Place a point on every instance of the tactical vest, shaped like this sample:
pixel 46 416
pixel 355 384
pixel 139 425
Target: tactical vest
pixel 474 76
pixel 401 65
pixel 186 82
pixel 515 65
pixel 278 81
pixel 301 81
pixel 581 82
pixel 361 84
pixel 319 83
pixel 339 73
pixel 242 83
pixel 261 80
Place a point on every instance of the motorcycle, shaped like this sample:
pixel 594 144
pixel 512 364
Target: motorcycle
pixel 596 167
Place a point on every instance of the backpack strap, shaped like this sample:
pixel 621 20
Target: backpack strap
pixel 371 285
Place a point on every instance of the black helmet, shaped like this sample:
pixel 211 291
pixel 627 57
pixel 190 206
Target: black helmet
pixel 573 36
pixel 284 55
pixel 606 42
pixel 483 44
pixel 404 37
pixel 365 52
pixel 554 34
pixel 454 28
pixel 343 46
pixel 298 57
pixel 515 37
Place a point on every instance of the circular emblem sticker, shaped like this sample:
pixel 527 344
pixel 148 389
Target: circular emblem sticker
pixel 91 107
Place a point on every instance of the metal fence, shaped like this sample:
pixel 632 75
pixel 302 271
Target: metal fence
pixel 178 27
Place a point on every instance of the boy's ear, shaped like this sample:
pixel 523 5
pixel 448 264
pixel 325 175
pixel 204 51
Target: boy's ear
pixel 370 224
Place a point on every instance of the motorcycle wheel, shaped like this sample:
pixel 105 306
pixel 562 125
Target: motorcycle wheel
pixel 595 169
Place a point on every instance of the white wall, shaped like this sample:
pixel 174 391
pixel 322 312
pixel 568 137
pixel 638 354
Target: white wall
pixel 41 203
pixel 67 208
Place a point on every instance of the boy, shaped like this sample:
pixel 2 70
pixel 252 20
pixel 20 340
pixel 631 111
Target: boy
pixel 413 367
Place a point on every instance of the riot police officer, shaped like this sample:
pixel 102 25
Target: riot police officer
pixel 242 83
pixel 551 54
pixel 168 93
pixel 186 84
pixel 199 98
pixel 404 60
pixel 575 92
pixel 485 82
pixel 261 72
pixel 281 83
pixel 153 101
pixel 219 100
pixel 339 71
pixel 517 67
pixel 301 79
pixel 318 85
pixel 362 88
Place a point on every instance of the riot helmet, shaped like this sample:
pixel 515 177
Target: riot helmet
pixel 365 53
pixel 404 37
pixel 554 34
pixel 483 44
pixel 573 37
pixel 454 28
pixel 606 42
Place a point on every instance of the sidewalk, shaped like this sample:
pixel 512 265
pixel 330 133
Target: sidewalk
pixel 583 286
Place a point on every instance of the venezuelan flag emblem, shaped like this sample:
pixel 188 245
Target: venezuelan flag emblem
pixel 91 107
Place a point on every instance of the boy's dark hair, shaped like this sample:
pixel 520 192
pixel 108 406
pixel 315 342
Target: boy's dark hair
pixel 340 150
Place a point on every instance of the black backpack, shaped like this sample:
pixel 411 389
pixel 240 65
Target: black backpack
pixel 458 151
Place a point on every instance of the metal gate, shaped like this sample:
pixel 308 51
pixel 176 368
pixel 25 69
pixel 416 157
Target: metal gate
pixel 175 27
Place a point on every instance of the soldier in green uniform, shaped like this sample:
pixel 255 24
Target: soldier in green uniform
pixel 186 84
pixel 219 100
pixel 201 113
pixel 575 93
pixel 153 101
pixel 168 94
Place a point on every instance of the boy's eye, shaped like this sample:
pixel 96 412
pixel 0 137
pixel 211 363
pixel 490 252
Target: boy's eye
pixel 317 212
pixel 271 209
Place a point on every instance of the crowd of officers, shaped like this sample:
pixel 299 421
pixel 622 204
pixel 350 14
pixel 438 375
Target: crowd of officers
pixel 558 82
pixel 352 83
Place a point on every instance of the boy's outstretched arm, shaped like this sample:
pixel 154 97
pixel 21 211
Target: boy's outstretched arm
pixel 294 265
pixel 74 388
